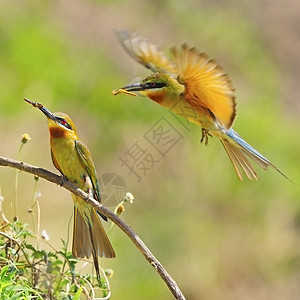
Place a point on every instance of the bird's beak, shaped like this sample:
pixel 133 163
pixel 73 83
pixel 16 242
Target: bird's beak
pixel 134 87
pixel 129 89
pixel 44 110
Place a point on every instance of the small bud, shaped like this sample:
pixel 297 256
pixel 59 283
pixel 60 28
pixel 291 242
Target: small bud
pixel 128 197
pixel 120 209
pixel 25 138
pixel 109 273
pixel 45 235
pixel 36 178
pixel 3 223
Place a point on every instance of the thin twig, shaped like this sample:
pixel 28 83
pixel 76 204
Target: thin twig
pixel 19 245
pixel 43 173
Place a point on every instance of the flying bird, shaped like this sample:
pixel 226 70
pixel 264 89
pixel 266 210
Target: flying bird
pixel 196 87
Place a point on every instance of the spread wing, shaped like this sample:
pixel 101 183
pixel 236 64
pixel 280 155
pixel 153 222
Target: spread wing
pixel 144 52
pixel 86 159
pixel 206 84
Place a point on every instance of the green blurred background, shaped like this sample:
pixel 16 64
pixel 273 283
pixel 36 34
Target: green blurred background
pixel 219 238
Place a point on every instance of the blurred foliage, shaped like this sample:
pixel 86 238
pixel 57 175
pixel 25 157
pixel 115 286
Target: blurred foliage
pixel 30 273
pixel 219 238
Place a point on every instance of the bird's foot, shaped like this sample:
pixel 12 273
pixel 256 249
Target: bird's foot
pixel 63 179
pixel 205 136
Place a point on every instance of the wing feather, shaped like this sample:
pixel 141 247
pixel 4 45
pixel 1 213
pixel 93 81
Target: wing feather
pixel 144 52
pixel 86 159
pixel 206 84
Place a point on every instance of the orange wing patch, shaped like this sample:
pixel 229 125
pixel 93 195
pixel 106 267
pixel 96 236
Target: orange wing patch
pixel 206 84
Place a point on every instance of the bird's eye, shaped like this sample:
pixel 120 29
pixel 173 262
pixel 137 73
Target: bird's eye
pixel 64 123
pixel 155 85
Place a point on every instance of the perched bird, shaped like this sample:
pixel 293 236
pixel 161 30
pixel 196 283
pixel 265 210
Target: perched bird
pixel 73 160
pixel 197 88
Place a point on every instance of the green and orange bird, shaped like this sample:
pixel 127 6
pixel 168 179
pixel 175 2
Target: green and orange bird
pixel 195 87
pixel 73 160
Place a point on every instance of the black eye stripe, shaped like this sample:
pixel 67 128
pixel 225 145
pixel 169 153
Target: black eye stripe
pixel 154 85
pixel 63 122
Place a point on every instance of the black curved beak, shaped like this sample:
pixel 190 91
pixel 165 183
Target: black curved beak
pixel 130 89
pixel 44 110
pixel 134 87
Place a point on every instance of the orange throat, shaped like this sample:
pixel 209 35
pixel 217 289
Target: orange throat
pixel 57 132
pixel 157 96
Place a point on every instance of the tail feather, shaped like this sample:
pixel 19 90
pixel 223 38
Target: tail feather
pixel 89 238
pixel 102 244
pixel 94 254
pixel 239 160
pixel 239 153
pixel 81 236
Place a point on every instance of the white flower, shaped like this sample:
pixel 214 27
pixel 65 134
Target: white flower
pixel 128 197
pixel 45 235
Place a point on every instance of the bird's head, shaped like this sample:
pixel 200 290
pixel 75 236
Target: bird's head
pixel 60 124
pixel 157 86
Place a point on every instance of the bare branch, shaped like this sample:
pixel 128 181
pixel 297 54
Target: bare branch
pixel 43 173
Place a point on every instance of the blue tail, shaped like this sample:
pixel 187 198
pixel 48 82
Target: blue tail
pixel 239 153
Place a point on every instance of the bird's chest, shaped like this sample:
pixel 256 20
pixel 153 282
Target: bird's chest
pixel 65 156
pixel 183 108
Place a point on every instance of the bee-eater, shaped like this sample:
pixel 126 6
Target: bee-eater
pixel 197 88
pixel 74 161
